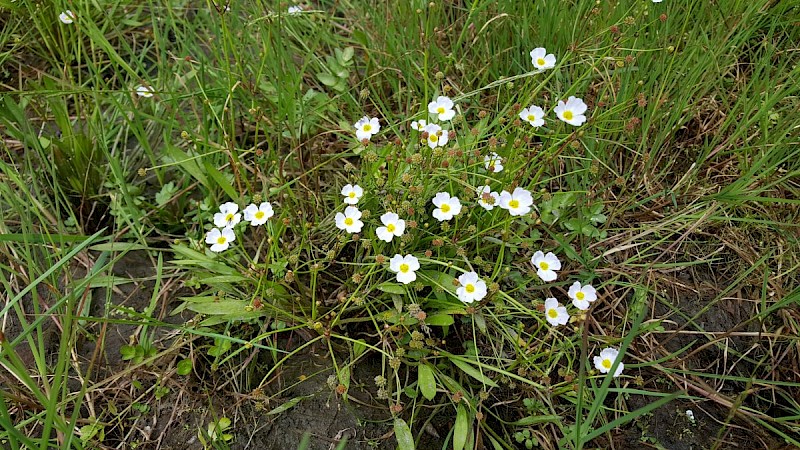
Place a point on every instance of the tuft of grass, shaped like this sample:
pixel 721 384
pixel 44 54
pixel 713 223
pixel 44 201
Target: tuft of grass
pixel 677 200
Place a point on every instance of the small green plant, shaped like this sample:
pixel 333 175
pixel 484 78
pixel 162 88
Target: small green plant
pixel 216 432
pixel 337 68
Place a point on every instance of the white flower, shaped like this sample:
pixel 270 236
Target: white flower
pixel 67 17
pixel 546 265
pixel 419 125
pixel 144 91
pixel 606 359
pixel 690 416
pixel 437 137
pixel 533 115
pixel 295 10
pixel 404 267
pixel 572 111
pixel 442 107
pixel 349 221
pixel 446 207
pixel 541 60
pixel 220 240
pixel 227 215
pixel 493 162
pixel 258 215
pixel 656 1
pixel 393 226
pixel 488 199
pixel 518 203
pixel 555 313
pixel 366 128
pixel 472 288
pixel 582 295
pixel 352 194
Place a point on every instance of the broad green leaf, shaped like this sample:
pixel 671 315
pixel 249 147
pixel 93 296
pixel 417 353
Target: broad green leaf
pixel 392 288
pixel 347 54
pixel 405 441
pixel 439 320
pixel 358 348
pixel 184 367
pixel 427 382
pixel 461 428
pixel 327 79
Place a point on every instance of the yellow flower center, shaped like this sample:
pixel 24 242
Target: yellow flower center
pixel 440 110
pixel 531 117
pixel 348 221
pixel 580 295
pixel 352 195
pixel 390 228
pixel 259 215
pixel 540 61
pixel 568 115
pixel 221 240
pixel 433 137
pixel 607 363
pixel 404 268
pixel 470 288
pixel 544 266
pixel 445 208
pixel 513 204
pixel 229 217
pixel 367 127
pixel 552 313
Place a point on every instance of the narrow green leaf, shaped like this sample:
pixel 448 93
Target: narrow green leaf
pixel 221 181
pixel 473 372
pixel 405 441
pixel 461 428
pixel 287 405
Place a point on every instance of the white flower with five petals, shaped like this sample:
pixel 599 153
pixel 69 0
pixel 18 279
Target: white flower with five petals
pixel 442 108
pixel 571 111
pixel 518 203
pixel 367 127
pixel 404 267
pixel 446 207
pixel 471 287
pixel 220 239
pixel 555 313
pixel 350 221
pixel 534 115
pixel 606 359
pixel 541 59
pixel 546 265
pixel 352 194
pixel 582 296
pixel 228 215
pixel 258 215
pixel 488 199
pixel 393 226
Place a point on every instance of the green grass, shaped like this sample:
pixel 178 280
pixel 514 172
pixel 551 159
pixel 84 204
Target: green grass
pixel 677 200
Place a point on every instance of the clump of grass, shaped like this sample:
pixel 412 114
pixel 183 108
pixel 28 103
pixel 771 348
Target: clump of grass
pixel 681 180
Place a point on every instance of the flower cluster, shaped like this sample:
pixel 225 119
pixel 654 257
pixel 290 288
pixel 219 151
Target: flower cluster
pixel 518 202
pixel 229 216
